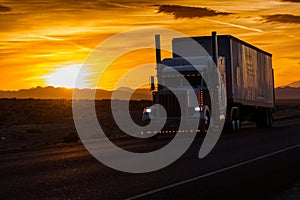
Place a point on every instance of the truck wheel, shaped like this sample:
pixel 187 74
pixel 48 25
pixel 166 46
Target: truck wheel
pixel 235 125
pixel 235 119
pixel 204 123
pixel 269 118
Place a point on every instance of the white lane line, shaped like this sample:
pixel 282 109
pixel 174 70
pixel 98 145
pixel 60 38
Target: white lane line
pixel 212 173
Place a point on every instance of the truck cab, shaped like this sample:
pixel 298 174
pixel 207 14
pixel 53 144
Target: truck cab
pixel 178 79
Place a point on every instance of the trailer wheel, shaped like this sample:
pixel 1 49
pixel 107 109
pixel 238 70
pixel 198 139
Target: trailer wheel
pixel 269 118
pixel 235 122
pixel 235 125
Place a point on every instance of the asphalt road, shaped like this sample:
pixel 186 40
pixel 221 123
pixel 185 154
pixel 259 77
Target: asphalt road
pixel 253 164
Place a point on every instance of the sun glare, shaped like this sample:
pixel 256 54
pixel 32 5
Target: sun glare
pixel 67 76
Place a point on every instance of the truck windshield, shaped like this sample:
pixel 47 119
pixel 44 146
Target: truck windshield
pixel 195 80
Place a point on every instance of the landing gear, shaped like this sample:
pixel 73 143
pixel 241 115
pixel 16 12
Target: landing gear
pixel 264 118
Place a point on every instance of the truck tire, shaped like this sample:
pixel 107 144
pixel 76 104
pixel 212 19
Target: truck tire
pixel 269 118
pixel 204 123
pixel 235 122
pixel 235 125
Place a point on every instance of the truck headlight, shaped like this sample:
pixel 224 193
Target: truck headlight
pixel 222 117
pixel 147 110
pixel 197 109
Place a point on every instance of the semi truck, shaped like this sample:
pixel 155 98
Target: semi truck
pixel 246 75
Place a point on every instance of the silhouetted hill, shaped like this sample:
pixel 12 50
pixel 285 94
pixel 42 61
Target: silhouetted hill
pixel 63 93
pixel 295 84
pixel 287 93
pixel 140 94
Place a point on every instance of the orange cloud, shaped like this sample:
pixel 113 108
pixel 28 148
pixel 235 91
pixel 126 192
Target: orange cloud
pixel 282 18
pixel 293 1
pixel 190 12
pixel 4 9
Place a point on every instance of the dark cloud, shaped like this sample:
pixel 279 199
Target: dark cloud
pixel 293 1
pixel 281 18
pixel 4 9
pixel 189 12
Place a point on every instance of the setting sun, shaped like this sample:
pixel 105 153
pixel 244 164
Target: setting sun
pixel 67 77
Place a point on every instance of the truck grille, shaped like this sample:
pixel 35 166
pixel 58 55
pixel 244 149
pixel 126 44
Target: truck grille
pixel 171 104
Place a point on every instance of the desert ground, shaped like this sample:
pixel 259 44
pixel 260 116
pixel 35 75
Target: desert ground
pixel 34 123
pixel 40 123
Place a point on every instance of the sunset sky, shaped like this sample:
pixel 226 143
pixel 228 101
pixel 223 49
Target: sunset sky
pixel 45 42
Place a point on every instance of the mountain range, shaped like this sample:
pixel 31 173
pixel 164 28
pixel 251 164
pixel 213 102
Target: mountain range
pixel 64 93
pixel 287 92
pixel 50 92
pixel 294 84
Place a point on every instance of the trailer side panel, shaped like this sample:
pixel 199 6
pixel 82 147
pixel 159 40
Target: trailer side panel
pixel 249 78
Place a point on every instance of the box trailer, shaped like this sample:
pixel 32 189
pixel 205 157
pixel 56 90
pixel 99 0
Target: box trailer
pixel 249 74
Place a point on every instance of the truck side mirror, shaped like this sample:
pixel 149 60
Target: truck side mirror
pixel 152 86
